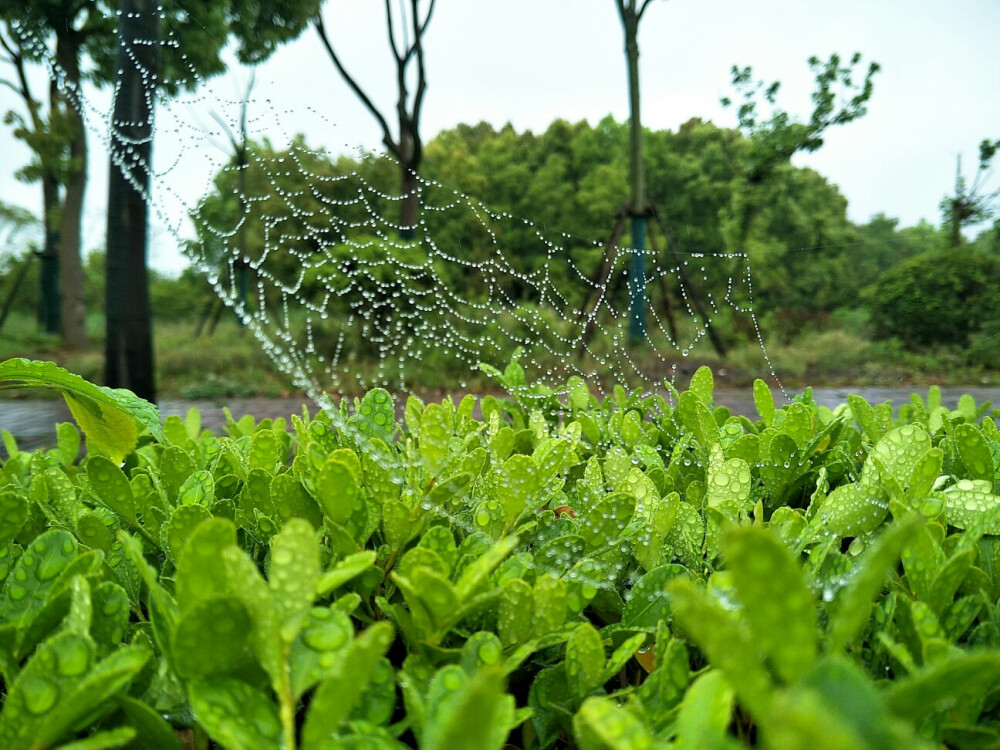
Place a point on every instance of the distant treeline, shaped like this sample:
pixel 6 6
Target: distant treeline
pixel 810 263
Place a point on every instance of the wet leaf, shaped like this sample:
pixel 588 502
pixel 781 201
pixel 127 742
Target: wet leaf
pixel 584 659
pixel 854 604
pixel 112 487
pixel 727 646
pixel 236 715
pixel 479 714
pixel 337 695
pixel 601 723
pixel 705 713
pixel 777 603
pixel 293 574
pixel 649 603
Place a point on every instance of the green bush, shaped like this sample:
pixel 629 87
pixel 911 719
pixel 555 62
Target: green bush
pixel 936 298
pixel 567 571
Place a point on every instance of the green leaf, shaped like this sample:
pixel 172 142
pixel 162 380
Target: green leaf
pixel 649 602
pixel 435 434
pixel 376 416
pixel 35 575
pixel 313 653
pixel 337 488
pixel 515 612
pixel 477 715
pixel 764 402
pixel 705 713
pixel 584 659
pixel 851 510
pixel 777 603
pixel 945 684
pixel 854 603
pixel 110 419
pixel 198 488
pixel 702 384
pixel 236 715
pixel 601 724
pixel 60 686
pixel 183 521
pixel 967 502
pixel 697 417
pixel 854 702
pixel 517 483
pixel 974 451
pixel 200 572
pixel 293 575
pixel 151 729
pixel 211 638
pixel 483 565
pixel 13 514
pixel 265 451
pixel 865 416
pixel 350 567
pixel 108 738
pixel 604 522
pixel 727 646
pixel 925 473
pixel 337 695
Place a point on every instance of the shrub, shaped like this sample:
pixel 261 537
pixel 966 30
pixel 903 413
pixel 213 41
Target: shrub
pixel 936 298
pixel 567 572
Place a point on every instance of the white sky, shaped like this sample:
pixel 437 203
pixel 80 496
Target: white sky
pixel 531 61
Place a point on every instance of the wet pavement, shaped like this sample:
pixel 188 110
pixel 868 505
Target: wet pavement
pixel 32 422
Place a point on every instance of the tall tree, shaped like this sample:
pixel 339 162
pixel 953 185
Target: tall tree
pixel 66 31
pixel 631 12
pixel 406 35
pixel 838 99
pixel 971 204
pixel 128 346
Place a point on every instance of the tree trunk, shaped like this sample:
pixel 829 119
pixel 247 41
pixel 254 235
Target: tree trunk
pixel 409 209
pixel 48 311
pixel 72 303
pixel 637 269
pixel 129 343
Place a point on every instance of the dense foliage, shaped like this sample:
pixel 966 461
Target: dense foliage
pixel 623 572
pixel 937 297
pixel 573 177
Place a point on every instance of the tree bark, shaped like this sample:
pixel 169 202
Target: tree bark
pixel 129 341
pixel 630 16
pixel 72 300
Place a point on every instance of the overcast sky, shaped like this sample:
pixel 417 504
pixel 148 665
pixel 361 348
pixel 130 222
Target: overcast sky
pixel 531 61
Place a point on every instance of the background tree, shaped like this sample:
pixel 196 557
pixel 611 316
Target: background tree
pixel 68 31
pixel 975 204
pixel 771 143
pixel 128 343
pixel 630 12
pixel 406 34
pixel 258 31
pixel 16 253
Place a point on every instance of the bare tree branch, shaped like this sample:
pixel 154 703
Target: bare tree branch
pixel 392 33
pixel 386 133
pixel 421 72
pixel 642 9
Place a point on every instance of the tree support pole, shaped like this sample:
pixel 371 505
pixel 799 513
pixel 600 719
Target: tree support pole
pixel 14 287
pixel 696 299
pixel 610 253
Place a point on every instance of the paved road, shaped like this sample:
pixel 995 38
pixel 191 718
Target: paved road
pixel 32 422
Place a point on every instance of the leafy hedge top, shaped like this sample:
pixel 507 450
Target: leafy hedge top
pixel 620 573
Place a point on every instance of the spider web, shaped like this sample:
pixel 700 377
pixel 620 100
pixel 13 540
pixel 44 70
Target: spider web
pixel 340 302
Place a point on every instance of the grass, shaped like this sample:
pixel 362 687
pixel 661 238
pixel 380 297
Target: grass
pixel 231 364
